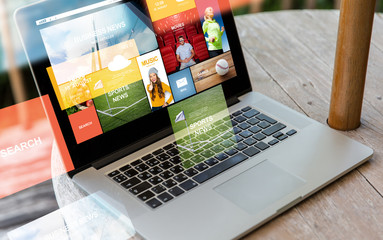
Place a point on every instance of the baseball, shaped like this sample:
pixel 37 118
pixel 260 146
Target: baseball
pixel 222 67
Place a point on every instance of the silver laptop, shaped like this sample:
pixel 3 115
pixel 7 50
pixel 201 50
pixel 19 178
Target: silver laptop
pixel 157 112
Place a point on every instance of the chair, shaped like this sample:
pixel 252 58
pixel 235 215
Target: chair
pixel 200 48
pixel 160 42
pixel 169 58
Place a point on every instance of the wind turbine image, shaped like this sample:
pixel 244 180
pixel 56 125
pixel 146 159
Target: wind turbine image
pixel 181 117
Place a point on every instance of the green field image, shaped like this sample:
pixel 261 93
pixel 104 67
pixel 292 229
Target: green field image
pixel 122 105
pixel 207 131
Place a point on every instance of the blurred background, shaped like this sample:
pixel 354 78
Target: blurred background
pixel 16 81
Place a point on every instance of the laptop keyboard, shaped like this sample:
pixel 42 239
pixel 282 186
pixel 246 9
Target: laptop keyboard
pixel 171 171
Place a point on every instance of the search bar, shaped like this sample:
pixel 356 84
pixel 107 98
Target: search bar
pixel 76 11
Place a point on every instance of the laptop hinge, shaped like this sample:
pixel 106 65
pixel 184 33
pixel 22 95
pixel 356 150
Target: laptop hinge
pixel 231 101
pixel 132 148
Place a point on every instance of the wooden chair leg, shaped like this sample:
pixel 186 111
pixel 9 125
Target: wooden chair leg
pixel 354 37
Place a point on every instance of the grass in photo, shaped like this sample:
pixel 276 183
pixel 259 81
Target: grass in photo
pixel 122 105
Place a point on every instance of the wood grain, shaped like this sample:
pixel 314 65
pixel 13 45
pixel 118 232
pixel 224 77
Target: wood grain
pixel 297 50
pixel 355 27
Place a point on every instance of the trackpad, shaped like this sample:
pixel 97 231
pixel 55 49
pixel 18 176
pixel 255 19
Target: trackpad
pixel 260 186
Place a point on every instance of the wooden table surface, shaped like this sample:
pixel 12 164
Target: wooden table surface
pixel 290 57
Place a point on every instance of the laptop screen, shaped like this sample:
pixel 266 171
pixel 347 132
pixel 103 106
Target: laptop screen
pixel 113 67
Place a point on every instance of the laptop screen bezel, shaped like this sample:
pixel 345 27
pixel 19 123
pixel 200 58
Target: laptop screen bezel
pixel 127 135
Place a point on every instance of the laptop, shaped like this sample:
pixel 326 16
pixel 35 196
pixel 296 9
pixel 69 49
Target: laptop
pixel 157 112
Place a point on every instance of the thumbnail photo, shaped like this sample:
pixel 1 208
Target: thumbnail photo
pixel 181 40
pixel 155 80
pixel 213 71
pixel 121 106
pixel 213 27
pixel 182 85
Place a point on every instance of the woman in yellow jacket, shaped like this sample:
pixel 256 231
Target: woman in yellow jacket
pixel 157 90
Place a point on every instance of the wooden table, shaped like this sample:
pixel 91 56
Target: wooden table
pixel 290 57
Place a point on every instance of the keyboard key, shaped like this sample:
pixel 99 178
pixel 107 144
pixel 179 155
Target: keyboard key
pixel 140 188
pixel 231 152
pixel 237 113
pixel 180 177
pixel 166 165
pixel 165 197
pixel 144 176
pixel 158 189
pixel 114 173
pixel 142 167
pixel 277 135
pixel 131 182
pixel 240 119
pixel 261 145
pixel 283 137
pixel 222 128
pixel 147 157
pixel 236 139
pixel 168 147
pixel 159 151
pixel 236 130
pixel 191 172
pixel 169 183
pixel 250 141
pixel 291 132
pixel 232 123
pixel 176 191
pixel 201 167
pixel 189 184
pixel 253 121
pixel 155 180
pixel 227 135
pixel 266 118
pixel 210 162
pixel 241 146
pixel 273 142
pixel 152 162
pixel 259 137
pixel 177 169
pixel 120 178
pixel 255 129
pixel 217 148
pixel 251 113
pixel 175 160
pixel 217 169
pixel 197 159
pixel 173 152
pixel 244 125
pixel 227 143
pixel 187 164
pixel 166 175
pixel 126 167
pixel 155 170
pixel 208 154
pixel 245 134
pixel 273 129
pixel 146 195
pixel 154 203
pixel 264 125
pixel 130 173
pixel 162 157
pixel 135 163
pixel 246 109
pixel 251 151
pixel 221 156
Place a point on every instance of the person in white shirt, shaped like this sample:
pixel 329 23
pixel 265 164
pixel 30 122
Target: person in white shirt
pixel 185 53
